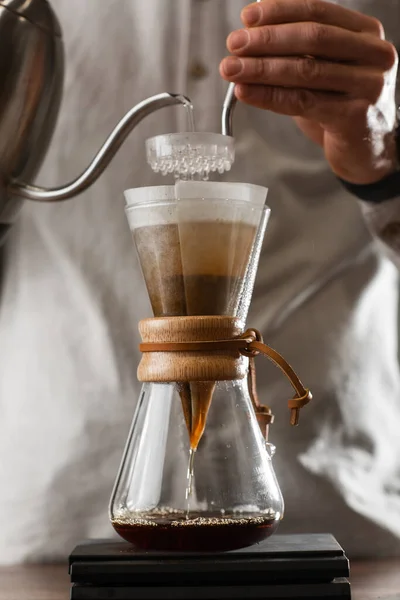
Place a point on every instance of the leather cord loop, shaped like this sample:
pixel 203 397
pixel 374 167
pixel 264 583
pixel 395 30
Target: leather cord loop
pixel 303 395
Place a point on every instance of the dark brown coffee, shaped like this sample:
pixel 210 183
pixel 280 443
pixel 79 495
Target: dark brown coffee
pixel 195 295
pixel 213 533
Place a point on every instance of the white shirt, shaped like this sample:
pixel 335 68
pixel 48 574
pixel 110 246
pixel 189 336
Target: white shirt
pixel 325 296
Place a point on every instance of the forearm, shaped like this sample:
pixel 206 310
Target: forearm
pixel 380 205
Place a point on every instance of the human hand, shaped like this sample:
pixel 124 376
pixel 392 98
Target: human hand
pixel 328 67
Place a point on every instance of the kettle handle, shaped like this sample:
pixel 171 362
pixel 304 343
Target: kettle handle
pixel 104 155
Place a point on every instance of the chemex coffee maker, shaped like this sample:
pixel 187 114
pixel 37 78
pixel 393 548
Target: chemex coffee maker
pixel 196 496
pixel 197 471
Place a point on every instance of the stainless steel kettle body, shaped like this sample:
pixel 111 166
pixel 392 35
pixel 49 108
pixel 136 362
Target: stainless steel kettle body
pixel 31 81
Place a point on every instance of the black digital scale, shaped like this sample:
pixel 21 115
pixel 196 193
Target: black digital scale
pixel 303 567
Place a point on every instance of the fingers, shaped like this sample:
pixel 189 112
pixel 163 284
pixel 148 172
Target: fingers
pixel 273 12
pixel 307 73
pixel 331 112
pixel 313 39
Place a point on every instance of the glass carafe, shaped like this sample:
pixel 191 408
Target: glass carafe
pixel 197 473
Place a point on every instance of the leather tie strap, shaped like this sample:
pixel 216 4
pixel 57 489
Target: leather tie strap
pixel 250 344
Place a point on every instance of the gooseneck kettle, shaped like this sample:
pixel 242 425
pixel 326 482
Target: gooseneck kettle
pixel 32 76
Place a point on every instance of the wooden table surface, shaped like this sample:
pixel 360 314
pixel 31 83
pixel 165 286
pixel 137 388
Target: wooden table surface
pixel 378 580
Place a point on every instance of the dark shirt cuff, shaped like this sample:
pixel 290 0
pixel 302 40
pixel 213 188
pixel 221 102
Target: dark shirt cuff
pixel 380 191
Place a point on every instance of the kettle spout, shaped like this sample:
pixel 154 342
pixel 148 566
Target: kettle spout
pixel 104 155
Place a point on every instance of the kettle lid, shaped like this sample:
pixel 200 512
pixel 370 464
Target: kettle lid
pixel 38 12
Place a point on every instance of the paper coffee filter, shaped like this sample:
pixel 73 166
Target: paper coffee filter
pixel 245 192
pixel 195 201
